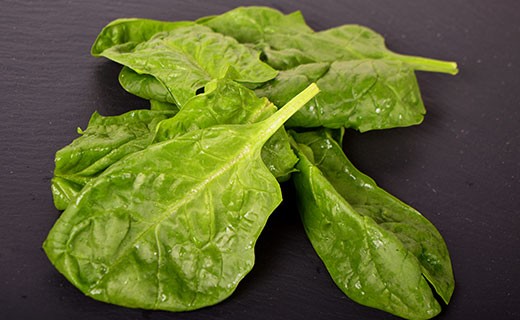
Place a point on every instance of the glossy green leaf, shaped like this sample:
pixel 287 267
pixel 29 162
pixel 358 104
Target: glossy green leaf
pixel 172 227
pixel 256 24
pixel 361 94
pixel 105 141
pixel 366 261
pixel 364 86
pixel 187 58
pixel 108 139
pixel 146 87
pixel 417 234
pixel 157 105
pixel 344 43
pixel 227 102
pixel 125 34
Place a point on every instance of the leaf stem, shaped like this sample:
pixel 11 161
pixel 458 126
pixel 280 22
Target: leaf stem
pixel 427 64
pixel 276 121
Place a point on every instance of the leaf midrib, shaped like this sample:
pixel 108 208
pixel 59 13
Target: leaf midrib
pixel 199 187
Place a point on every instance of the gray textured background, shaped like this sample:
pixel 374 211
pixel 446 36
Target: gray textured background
pixel 460 168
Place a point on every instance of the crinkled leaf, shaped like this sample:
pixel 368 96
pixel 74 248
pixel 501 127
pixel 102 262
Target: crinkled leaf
pixel 366 261
pixel 172 227
pixel 125 34
pixel 108 139
pixel 417 234
pixel 105 141
pixel 187 58
pixel 365 85
pixel 255 24
pixel 227 102
pixel 360 94
pixel 146 87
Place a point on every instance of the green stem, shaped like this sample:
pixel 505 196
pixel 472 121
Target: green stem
pixel 426 64
pixel 276 121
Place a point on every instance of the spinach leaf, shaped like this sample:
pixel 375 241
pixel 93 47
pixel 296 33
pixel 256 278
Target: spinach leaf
pixel 147 87
pixel 367 262
pixel 187 58
pixel 416 233
pixel 173 226
pixel 256 24
pixel 105 141
pixel 360 94
pixel 158 105
pixel 343 43
pixel 125 34
pixel 364 85
pixel 227 102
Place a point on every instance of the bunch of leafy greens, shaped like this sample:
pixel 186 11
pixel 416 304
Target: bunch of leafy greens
pixel 162 207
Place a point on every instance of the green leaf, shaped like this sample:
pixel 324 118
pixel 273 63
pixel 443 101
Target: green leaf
pixel 172 227
pixel 360 94
pixel 254 24
pixel 367 262
pixel 417 234
pixel 187 58
pixel 124 34
pixel 145 86
pixel 157 105
pixel 227 102
pixel 105 141
pixel 364 85
pixel 344 43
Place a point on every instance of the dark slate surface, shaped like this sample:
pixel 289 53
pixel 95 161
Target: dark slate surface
pixel 461 167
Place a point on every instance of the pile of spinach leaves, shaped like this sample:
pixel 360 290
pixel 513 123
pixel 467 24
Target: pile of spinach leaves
pixel 162 207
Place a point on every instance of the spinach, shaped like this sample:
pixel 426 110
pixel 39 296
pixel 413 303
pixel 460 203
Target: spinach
pixel 163 206
pixel 363 85
pixel 173 226
pixel 256 24
pixel 124 34
pixel 363 94
pixel 368 263
pixel 227 102
pixel 188 57
pixel 108 139
pixel 147 87
pixel 416 233
pixel 105 141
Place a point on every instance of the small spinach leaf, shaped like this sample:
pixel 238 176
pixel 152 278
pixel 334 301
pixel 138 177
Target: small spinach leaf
pixel 173 227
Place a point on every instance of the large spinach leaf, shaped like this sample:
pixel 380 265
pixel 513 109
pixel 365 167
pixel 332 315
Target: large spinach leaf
pixel 174 226
pixel 364 85
pixel 416 233
pixel 105 141
pixel 369 263
pixel 358 94
pixel 108 139
pixel 187 58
